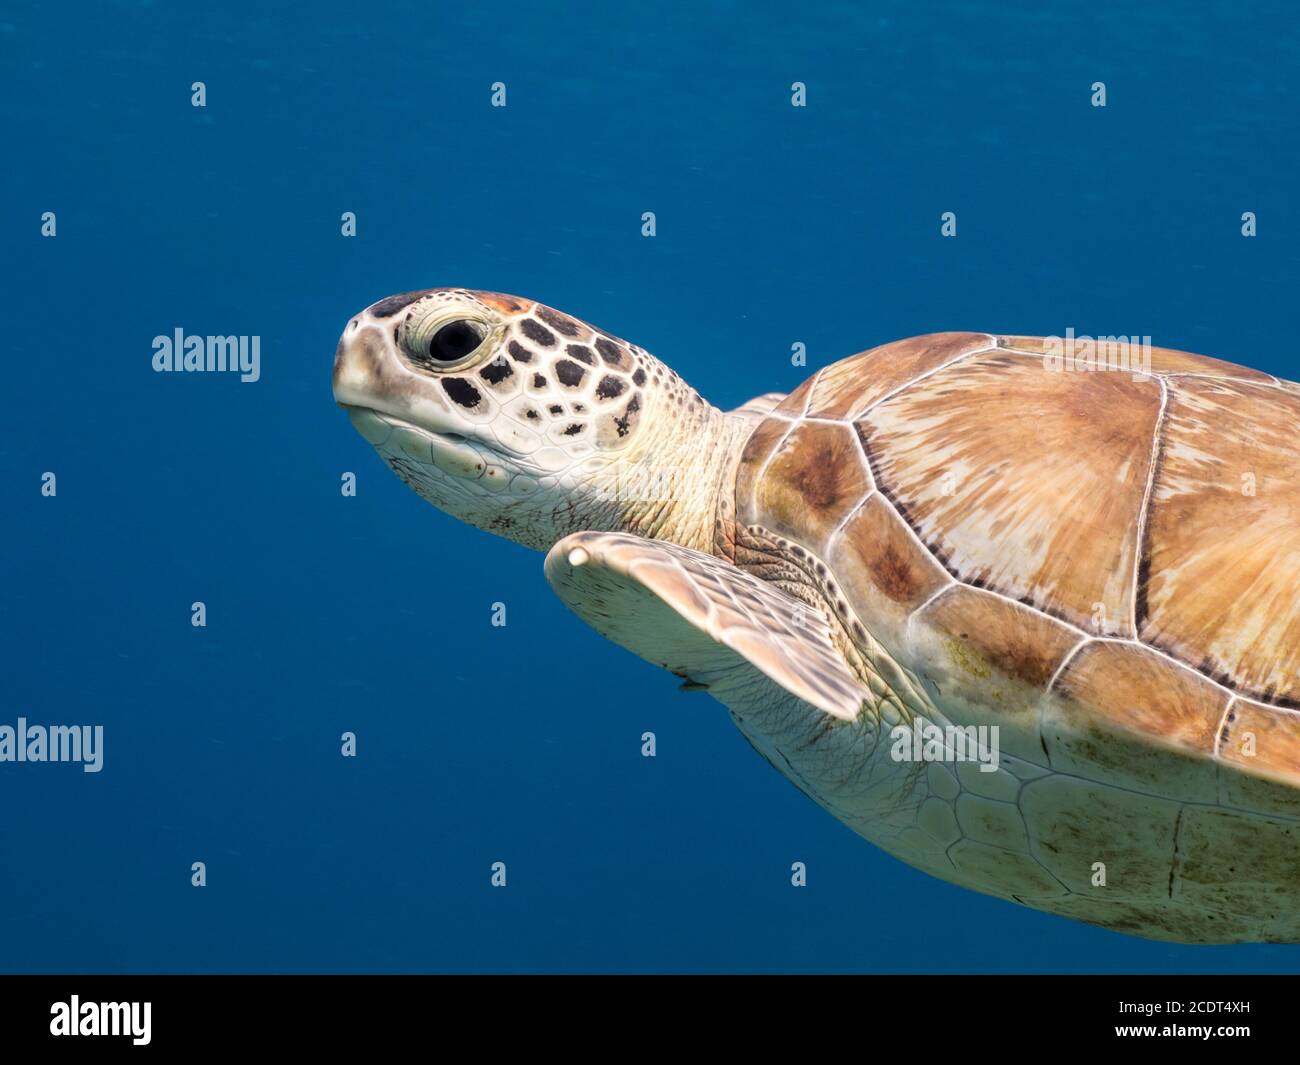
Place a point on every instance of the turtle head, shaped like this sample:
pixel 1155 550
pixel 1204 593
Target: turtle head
pixel 506 414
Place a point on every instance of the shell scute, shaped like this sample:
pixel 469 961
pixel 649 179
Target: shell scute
pixel 1262 745
pixel 853 385
pixel 1223 583
pixel 815 477
pixel 1025 481
pixel 884 571
pixel 1126 715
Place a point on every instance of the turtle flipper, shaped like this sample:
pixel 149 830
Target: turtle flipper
pixel 702 619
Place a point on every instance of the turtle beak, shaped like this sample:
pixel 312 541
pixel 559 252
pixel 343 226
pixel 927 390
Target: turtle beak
pixel 356 361
pixel 339 365
pixel 399 411
pixel 369 375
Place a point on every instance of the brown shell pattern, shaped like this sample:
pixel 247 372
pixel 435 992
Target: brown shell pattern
pixel 1129 541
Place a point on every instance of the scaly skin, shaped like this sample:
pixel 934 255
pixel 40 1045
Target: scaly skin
pixel 536 457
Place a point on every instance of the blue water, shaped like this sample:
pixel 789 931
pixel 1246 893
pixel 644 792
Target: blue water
pixel 372 614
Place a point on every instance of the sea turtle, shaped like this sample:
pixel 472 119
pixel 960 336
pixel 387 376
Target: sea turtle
pixel 1032 626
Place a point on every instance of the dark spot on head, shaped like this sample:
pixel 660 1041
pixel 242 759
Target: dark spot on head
pixel 518 352
pixel 461 391
pixel 539 381
pixel 611 353
pixel 569 373
pixel 638 378
pixel 582 353
pixel 555 408
pixel 537 332
pixel 624 424
pixel 573 430
pixel 561 323
pixel 496 371
pixel 579 408
pixel 610 386
pixel 531 414
pixel 386 307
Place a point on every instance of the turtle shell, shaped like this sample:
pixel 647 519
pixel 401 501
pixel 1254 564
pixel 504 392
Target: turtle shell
pixel 1104 562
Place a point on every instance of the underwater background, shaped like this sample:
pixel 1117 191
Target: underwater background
pixel 326 614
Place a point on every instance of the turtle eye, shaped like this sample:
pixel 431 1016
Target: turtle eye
pixel 434 342
pixel 454 341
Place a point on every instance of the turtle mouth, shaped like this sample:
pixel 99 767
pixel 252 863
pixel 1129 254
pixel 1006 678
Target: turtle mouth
pixel 449 452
